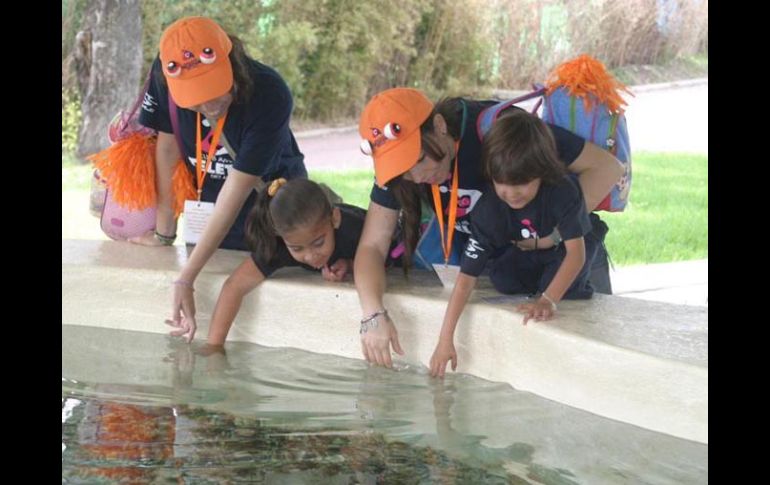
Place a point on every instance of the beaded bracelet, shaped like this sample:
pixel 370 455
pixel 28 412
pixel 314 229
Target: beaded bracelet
pixel 371 320
pixel 165 240
pixel 553 303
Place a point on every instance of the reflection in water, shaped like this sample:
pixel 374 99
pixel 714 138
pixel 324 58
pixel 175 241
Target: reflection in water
pixel 116 440
pixel 144 408
pixel 145 444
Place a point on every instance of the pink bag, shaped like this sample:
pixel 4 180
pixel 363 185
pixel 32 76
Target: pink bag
pixel 120 223
pixel 116 221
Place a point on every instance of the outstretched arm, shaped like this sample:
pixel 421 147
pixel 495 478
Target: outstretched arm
pixel 369 276
pixel 445 349
pixel 234 192
pixel 245 278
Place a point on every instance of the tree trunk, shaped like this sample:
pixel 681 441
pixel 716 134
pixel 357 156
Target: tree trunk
pixel 108 59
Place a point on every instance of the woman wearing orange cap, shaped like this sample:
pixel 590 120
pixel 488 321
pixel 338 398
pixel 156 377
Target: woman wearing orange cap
pixel 232 117
pixel 430 153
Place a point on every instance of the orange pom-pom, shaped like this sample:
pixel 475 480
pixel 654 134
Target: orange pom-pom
pixel 585 75
pixel 129 169
pixel 183 187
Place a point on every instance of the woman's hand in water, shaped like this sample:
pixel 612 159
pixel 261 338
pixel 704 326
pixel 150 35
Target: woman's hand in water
pixel 183 311
pixel 445 351
pixel 337 271
pixel 376 341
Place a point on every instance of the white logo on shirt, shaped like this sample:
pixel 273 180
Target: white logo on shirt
pixel 149 103
pixel 473 248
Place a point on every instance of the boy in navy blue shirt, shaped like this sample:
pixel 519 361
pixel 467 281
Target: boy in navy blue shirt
pixel 532 197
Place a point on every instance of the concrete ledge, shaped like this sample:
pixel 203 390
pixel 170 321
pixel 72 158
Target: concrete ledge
pixel 639 362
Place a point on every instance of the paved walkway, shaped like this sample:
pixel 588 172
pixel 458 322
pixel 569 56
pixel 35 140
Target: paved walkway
pixel 685 282
pixel 661 117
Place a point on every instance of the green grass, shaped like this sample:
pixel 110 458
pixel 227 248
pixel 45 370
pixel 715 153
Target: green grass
pixel 353 186
pixel 666 220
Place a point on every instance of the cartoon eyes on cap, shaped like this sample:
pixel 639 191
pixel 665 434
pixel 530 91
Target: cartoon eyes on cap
pixel 173 69
pixel 366 148
pixel 208 56
pixel 392 131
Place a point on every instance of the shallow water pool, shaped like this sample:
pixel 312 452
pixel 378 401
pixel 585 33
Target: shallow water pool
pixel 145 408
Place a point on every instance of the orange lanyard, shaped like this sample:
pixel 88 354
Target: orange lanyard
pixel 446 244
pixel 201 167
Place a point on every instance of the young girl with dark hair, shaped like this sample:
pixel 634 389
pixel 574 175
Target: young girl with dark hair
pixel 291 224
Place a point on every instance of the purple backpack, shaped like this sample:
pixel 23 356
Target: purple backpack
pixel 597 125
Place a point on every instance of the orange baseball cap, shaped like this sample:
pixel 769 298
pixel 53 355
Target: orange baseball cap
pixel 194 56
pixel 390 128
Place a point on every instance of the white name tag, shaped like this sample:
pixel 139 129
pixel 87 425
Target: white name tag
pixel 447 273
pixel 196 216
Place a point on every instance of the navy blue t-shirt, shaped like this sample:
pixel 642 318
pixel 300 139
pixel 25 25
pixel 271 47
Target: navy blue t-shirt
pixel 472 184
pixel 257 130
pixel 495 224
pixel 345 243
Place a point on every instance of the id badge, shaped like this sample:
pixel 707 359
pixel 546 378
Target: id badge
pixel 196 216
pixel 447 273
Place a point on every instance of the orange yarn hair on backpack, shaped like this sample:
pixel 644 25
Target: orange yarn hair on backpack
pixel 585 75
pixel 182 184
pixel 128 166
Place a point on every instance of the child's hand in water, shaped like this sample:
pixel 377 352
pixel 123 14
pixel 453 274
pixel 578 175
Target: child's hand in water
pixel 445 351
pixel 337 271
